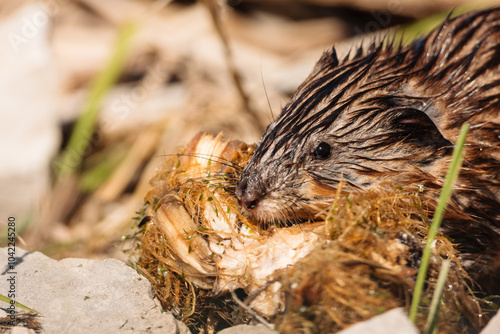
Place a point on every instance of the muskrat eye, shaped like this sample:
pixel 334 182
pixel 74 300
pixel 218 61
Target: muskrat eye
pixel 323 151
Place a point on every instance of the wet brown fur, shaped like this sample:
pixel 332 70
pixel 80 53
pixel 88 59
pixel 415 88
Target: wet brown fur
pixel 393 113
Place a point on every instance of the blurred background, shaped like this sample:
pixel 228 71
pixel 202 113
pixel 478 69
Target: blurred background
pixel 95 93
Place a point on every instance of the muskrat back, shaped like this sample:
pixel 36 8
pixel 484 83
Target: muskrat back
pixel 393 113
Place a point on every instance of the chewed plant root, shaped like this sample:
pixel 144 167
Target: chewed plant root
pixel 358 260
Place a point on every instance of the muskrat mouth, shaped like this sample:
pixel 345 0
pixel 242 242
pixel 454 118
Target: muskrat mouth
pixel 272 211
pixel 286 206
pixel 286 217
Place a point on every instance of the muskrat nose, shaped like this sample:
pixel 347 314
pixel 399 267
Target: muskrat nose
pixel 248 197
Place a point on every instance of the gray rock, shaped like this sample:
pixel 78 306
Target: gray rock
pixel 393 321
pixel 29 134
pixel 85 296
pixel 493 326
pixel 247 329
pixel 22 330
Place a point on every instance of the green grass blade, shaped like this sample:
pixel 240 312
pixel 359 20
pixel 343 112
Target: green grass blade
pixel 106 164
pixel 426 25
pixel 444 197
pixel 8 301
pixel 81 136
pixel 432 318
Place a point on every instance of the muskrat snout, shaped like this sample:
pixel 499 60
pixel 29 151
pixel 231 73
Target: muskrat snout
pixel 248 197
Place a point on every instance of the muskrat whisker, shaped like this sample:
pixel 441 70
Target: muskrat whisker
pixel 292 218
pixel 265 91
pixel 214 181
pixel 292 208
pixel 209 157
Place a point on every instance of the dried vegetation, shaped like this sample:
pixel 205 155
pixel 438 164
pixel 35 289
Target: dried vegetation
pixel 359 260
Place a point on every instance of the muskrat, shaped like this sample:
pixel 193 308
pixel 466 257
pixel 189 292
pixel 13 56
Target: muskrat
pixel 392 113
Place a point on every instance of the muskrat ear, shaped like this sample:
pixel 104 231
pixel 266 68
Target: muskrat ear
pixel 416 126
pixel 409 117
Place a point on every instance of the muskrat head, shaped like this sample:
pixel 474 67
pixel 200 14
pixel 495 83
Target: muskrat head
pixel 386 114
pixel 343 124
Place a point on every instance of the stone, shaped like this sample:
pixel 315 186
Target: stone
pixel 85 296
pixel 29 128
pixel 393 321
pixel 247 329
pixel 22 330
pixel 493 326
